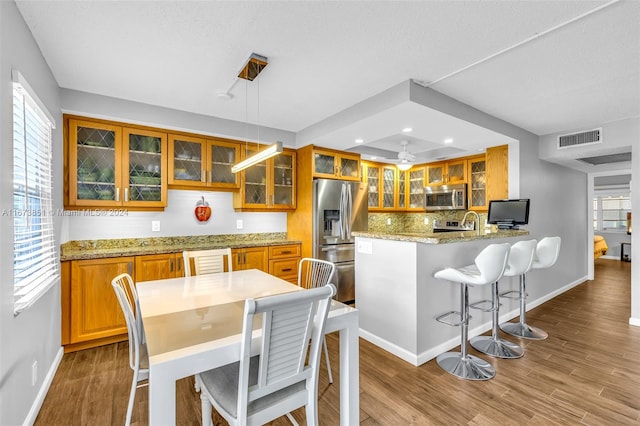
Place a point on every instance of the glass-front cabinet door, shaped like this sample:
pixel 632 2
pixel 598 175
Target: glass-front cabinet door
pixel 336 165
pixel 144 159
pixel 402 189
pixel 349 167
pixel 185 161
pixel 255 183
pixel 389 187
pixel 373 183
pixel 477 186
pixel 416 188
pixel 222 156
pixel 283 189
pixel 95 178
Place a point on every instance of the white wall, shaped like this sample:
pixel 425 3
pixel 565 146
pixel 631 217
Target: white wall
pixel 34 335
pixel 635 238
pixel 176 220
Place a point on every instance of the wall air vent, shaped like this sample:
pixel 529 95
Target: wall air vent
pixel 580 139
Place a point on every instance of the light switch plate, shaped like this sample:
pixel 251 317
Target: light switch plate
pixel 239 224
pixel 365 247
pixel 155 226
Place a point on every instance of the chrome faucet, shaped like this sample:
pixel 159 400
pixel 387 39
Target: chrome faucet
pixel 477 219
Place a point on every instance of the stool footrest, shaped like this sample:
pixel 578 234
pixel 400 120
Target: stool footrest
pixel 483 305
pixel 513 294
pixel 447 318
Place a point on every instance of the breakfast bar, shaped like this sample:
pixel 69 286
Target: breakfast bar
pixel 398 298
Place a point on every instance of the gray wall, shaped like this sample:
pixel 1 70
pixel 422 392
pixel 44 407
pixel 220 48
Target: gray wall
pixel 34 335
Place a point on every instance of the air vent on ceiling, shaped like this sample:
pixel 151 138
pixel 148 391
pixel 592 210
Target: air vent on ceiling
pixel 580 139
pixel 607 159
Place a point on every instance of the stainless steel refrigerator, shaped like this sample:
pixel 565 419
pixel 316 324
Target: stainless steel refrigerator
pixel 339 208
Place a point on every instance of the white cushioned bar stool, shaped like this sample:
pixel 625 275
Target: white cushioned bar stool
pixel 488 267
pixel 546 254
pixel 518 263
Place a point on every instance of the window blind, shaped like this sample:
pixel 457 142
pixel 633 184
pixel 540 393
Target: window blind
pixel 35 262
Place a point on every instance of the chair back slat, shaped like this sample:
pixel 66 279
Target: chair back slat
pixel 314 273
pixel 207 261
pixel 289 323
pixel 128 298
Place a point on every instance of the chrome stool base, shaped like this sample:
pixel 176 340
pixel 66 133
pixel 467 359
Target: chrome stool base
pixel 469 367
pixel 497 347
pixel 525 331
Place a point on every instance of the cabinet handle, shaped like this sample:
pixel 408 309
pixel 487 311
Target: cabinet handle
pixel 211 176
pixel 130 268
pixel 179 265
pixel 286 251
pixel 244 255
pixel 126 195
pixel 203 176
pixel 287 270
pixel 118 194
pixel 170 265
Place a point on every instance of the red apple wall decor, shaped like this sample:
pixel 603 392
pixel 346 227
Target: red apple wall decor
pixel 202 211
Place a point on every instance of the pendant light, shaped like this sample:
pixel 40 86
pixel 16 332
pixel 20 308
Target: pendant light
pixel 254 65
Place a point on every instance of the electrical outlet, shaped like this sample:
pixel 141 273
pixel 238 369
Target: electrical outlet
pixel 426 220
pixel 239 224
pixel 34 373
pixel 388 221
pixel 155 226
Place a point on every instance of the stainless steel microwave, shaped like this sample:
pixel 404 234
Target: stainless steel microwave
pixel 445 197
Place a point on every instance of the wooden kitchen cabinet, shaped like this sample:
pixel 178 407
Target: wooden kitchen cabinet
pixel 269 185
pixel 332 164
pixel 382 185
pixel 414 188
pixel 250 258
pixel 446 172
pixel 497 173
pixel 284 261
pixel 94 314
pixel 198 162
pixel 158 266
pixel 477 190
pixel 111 165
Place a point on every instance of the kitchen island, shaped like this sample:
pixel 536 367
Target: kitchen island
pixel 398 298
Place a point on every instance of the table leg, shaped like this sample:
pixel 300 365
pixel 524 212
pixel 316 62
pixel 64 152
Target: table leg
pixel 350 373
pixel 162 397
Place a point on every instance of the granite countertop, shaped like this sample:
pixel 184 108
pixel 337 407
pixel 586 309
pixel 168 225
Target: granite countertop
pixel 440 237
pixel 96 249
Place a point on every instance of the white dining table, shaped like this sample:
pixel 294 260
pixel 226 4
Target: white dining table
pixel 193 324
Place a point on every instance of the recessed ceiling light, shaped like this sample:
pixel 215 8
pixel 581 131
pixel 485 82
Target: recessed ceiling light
pixel 359 140
pixel 407 130
pixel 448 140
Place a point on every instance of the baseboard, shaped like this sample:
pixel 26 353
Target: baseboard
pixel 392 348
pixel 42 393
pixel 634 321
pixel 429 354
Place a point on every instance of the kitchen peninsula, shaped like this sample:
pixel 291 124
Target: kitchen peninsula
pixel 398 298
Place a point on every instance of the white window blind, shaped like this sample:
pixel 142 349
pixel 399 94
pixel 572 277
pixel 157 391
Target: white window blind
pixel 610 211
pixel 35 262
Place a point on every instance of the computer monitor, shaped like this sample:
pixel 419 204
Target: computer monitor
pixel 508 214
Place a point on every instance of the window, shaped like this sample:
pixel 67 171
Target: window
pixel 35 263
pixel 610 212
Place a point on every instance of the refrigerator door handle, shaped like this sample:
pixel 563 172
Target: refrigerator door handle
pixel 332 248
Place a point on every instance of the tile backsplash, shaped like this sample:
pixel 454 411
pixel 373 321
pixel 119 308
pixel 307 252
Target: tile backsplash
pixel 415 222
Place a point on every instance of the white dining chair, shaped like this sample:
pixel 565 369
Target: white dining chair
pixel 138 359
pixel 259 389
pixel 314 273
pixel 206 261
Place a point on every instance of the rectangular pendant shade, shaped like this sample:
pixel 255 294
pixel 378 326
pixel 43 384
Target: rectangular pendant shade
pixel 258 157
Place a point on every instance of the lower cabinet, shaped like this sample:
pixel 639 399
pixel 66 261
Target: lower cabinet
pixel 93 313
pixel 250 258
pixel 158 266
pixel 284 261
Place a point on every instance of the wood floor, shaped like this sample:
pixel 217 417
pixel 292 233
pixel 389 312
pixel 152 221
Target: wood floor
pixel 586 372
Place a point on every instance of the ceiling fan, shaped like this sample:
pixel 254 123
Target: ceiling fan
pixel 405 157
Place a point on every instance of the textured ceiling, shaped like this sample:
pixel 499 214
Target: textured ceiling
pixel 546 66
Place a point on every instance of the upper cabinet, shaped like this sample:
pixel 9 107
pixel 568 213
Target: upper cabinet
pixel 477 191
pixel 446 172
pixel 382 183
pixel 498 172
pixel 335 165
pixel 414 188
pixel 196 162
pixel 269 185
pixel 109 165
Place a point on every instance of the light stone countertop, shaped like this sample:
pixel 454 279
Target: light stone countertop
pixel 441 237
pixel 97 249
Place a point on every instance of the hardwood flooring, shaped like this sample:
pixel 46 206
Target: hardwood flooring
pixel 586 372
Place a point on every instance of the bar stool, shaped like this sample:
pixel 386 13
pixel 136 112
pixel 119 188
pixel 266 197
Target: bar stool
pixel 518 263
pixel 546 254
pixel 488 268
